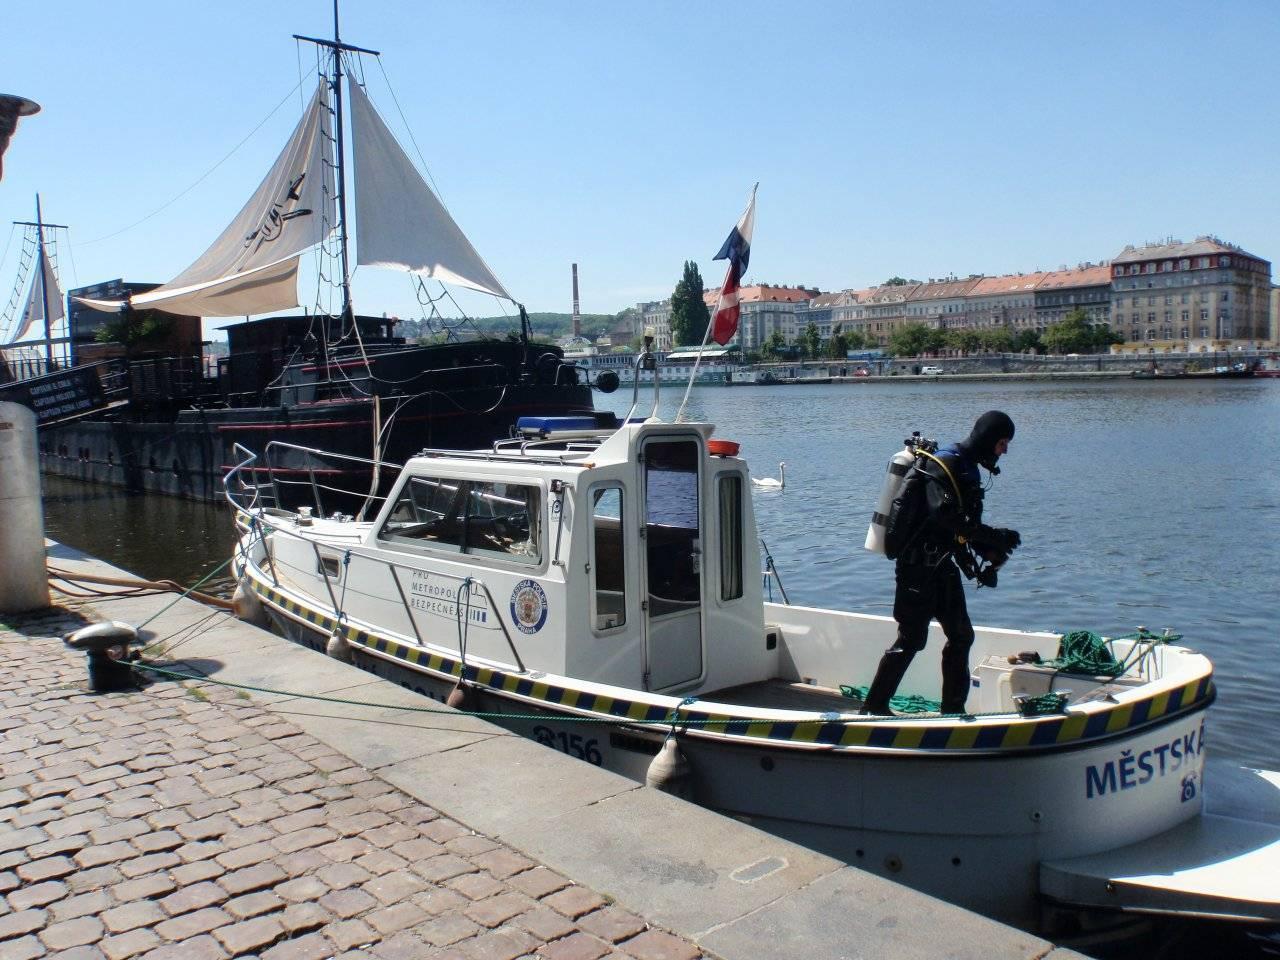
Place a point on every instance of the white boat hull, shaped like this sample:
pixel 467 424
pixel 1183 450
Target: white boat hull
pixel 972 829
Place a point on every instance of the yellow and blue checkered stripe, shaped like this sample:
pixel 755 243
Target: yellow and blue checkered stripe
pixel 1017 734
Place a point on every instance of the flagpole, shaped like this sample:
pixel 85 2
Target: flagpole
pixel 747 220
pixel 698 360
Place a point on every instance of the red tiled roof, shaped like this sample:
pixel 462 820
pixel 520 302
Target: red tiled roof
pixel 1079 277
pixel 944 289
pixel 759 292
pixel 1006 285
pixel 1171 251
pixel 887 294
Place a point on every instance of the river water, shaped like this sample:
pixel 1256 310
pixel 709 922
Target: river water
pixel 1151 504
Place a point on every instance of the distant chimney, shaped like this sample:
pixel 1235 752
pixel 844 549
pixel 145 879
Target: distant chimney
pixel 577 317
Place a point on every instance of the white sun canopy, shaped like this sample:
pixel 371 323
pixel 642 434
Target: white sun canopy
pixel 400 223
pixel 252 267
pixel 33 314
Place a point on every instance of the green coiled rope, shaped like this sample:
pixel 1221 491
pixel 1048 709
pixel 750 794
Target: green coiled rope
pixel 1079 651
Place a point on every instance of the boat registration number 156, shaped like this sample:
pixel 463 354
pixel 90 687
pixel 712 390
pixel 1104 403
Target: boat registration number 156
pixel 574 744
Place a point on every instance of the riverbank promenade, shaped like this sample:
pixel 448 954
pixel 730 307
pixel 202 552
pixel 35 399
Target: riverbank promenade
pixel 192 820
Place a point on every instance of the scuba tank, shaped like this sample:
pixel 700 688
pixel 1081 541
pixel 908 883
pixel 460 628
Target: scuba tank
pixel 895 477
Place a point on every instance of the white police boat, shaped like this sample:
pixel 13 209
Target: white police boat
pixel 604 570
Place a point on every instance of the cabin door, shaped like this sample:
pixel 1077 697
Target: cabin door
pixel 672 538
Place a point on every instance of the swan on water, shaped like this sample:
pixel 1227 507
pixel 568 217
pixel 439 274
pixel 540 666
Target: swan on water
pixel 769 483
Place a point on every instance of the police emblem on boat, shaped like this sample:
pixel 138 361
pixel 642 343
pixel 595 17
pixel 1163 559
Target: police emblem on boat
pixel 1188 787
pixel 528 606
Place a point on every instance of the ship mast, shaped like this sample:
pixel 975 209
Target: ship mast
pixel 337 47
pixel 41 226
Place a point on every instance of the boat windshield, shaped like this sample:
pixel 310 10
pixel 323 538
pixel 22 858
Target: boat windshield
pixel 468 516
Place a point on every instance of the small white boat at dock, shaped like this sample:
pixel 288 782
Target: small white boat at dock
pixel 593 584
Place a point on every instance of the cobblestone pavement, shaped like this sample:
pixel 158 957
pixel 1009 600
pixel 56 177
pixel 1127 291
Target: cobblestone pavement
pixel 185 822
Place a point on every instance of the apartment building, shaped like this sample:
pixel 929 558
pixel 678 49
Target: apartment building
pixel 1195 296
pixel 765 309
pixel 656 314
pixel 879 311
pixel 820 311
pixel 941 304
pixel 1199 294
pixel 1087 287
pixel 1007 302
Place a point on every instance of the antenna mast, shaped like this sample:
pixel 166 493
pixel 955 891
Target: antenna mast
pixel 335 82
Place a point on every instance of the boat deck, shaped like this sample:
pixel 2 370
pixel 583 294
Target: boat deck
pixel 780 694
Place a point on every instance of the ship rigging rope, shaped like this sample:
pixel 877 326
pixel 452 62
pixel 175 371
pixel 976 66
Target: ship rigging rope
pixel 1079 651
pixel 26 257
pixel 412 139
pixel 204 176
pixel 3 259
pixel 672 719
pixel 133 587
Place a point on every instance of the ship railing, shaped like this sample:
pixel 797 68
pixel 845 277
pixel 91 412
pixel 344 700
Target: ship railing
pixel 259 482
pixel 335 372
pixel 253 513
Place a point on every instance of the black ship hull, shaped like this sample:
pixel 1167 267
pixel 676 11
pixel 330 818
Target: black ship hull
pixel 189 456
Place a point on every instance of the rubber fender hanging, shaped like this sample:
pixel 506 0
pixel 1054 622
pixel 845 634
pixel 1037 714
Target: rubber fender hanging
pixel 247 606
pixel 459 697
pixel 669 771
pixel 338 647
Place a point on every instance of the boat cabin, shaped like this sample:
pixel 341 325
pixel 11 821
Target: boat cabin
pixel 613 553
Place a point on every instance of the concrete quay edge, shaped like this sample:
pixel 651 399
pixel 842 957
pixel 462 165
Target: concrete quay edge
pixel 735 891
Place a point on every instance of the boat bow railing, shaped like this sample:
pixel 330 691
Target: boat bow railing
pixel 247 497
pixel 646 360
pixel 275 478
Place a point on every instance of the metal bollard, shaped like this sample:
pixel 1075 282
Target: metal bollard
pixel 24 584
pixel 106 646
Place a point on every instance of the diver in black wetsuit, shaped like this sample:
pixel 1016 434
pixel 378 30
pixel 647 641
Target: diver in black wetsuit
pixel 928 580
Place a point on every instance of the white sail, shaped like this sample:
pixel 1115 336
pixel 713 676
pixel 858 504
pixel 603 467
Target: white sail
pixel 400 223
pixel 252 267
pixel 33 313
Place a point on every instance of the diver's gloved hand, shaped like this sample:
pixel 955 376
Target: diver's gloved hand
pixel 1005 540
pixel 992 555
pixel 987 577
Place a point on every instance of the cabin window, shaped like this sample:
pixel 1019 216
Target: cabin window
pixel 608 565
pixel 673 550
pixel 730 536
pixel 478 517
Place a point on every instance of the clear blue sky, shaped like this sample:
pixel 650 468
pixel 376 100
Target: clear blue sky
pixel 917 139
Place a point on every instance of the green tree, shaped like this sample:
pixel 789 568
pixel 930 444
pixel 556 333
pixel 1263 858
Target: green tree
pixel 135 329
pixel 896 282
pixel 689 313
pixel 1027 340
pixel 775 346
pixel 1104 337
pixel 996 339
pixel 1072 334
pixel 838 345
pixel 811 341
pixel 914 339
pixel 965 340
pixel 857 340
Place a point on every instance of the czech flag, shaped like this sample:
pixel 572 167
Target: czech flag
pixel 737 250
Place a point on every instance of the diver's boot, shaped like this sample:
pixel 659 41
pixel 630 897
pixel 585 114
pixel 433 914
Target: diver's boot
pixel 893 666
pixel 955 681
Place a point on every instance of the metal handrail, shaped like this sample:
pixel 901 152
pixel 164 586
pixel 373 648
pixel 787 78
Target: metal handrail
pixel 252 463
pixel 265 520
pixel 564 458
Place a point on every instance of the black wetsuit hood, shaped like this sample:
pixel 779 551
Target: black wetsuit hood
pixel 990 428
